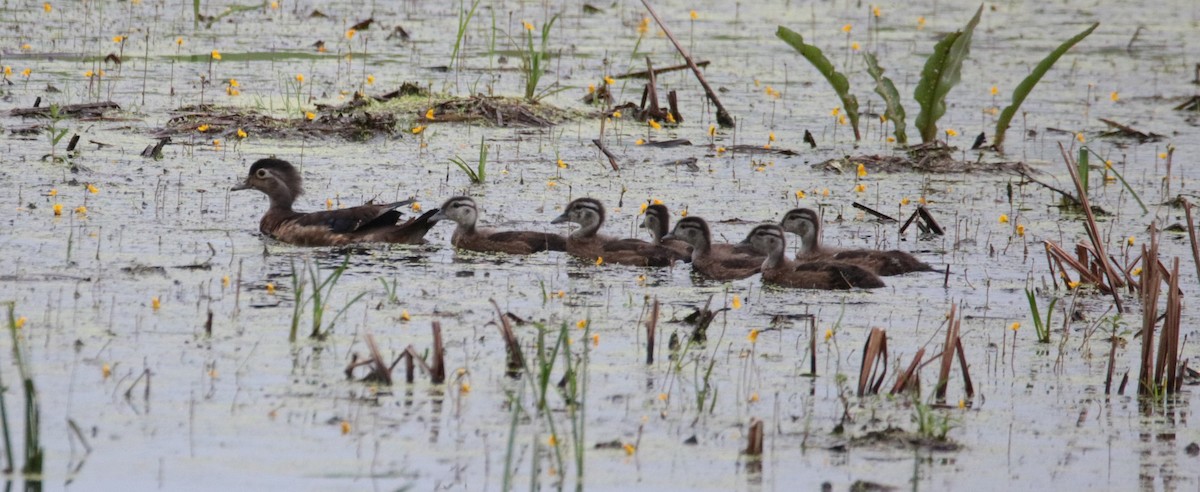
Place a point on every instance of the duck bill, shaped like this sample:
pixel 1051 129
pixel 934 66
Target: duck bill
pixel 668 237
pixel 560 219
pixel 439 216
pixel 241 186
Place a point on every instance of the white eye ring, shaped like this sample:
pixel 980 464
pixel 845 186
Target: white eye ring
pixel 262 174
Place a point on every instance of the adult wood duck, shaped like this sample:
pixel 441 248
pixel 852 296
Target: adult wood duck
pixel 821 274
pixel 806 224
pixel 657 220
pixel 707 259
pixel 281 182
pixel 463 211
pixel 586 243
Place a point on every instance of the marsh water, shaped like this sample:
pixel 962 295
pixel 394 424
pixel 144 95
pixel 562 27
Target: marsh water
pixel 116 296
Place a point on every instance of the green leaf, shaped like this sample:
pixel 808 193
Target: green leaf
pixel 942 71
pixel 891 97
pixel 837 80
pixel 1026 86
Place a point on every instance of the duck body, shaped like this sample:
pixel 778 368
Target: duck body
pixel 778 270
pixel 588 244
pixel 806 224
pixel 282 184
pixel 465 213
pixel 723 263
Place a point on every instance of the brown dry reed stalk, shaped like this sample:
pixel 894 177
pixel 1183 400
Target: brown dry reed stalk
pixel 1187 210
pixel 874 363
pixel 651 328
pixel 754 441
pixel 513 356
pixel 948 349
pixel 908 379
pixel 1093 231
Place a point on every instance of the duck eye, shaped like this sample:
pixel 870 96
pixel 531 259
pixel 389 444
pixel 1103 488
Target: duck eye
pixel 262 174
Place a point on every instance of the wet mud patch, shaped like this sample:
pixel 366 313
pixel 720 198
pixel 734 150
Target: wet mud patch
pixel 226 122
pixel 934 159
pixel 895 437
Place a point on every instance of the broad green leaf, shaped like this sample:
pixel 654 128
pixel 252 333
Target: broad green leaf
pixel 942 71
pixel 1026 86
pixel 818 60
pixel 891 97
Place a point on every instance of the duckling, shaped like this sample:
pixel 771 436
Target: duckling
pixel 716 263
pixel 825 275
pixel 463 211
pixel 281 182
pixel 806 223
pixel 658 221
pixel 586 243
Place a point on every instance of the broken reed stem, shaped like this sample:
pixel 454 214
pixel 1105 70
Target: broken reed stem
pixel 514 359
pixel 438 372
pixel 947 353
pixel 754 441
pixel 651 328
pixel 652 90
pixel 1167 365
pixel 1112 361
pixel 379 371
pixel 723 117
pixel 1187 210
pixel 962 366
pixel 906 379
pixel 1151 282
pixel 874 350
pixel 1094 232
pixel 812 346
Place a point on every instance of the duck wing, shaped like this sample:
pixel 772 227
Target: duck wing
pixel 354 219
pixel 538 241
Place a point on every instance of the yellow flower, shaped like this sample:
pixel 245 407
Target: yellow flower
pixel 552 441
pixel 561 164
pixel 418 129
pixel 7 71
pixel 551 183
pixel 828 334
pixel 464 387
pixel 202 128
pixel 561 294
pixel 753 336
pixel 835 111
pixel 233 83
pixel 225 281
pixel 920 23
pixel 345 427
pixel 854 46
pixel 616 114
pixel 271 288
pixel 1162 155
pixel 58 209
pixel 1114 96
pixel 1003 218
pixel 720 149
pixel 922 201
pixel 105 370
pixel 1129 241
pixel 629 449
pixel 642 210
pixel 599 260
pixel 825 192
pixel 595 339
pixel 328 204
pixel 232 91
pixel 644 25
pixel 300 78
pixel 26 47
pixel 800 194
pixel 275 5
pixel 241 133
pixel 92 189
pixel 656 201
pixel 694 15
pixel 962 403
pixel 662 397
pixel 404 315
pixel 904 201
pixel 670 118
pixel 429 114
pixel 528 26
pixel 591 88
pixel 841 119
pixel 1015 326
pixel 737 302
pixel 216 55
pixel 89 74
pixel 350 33
pixel 118 38
pixel 581 324
pixel 860 188
pixel 20 322
pixel 370 79
pixel 862 170
pixel 875 11
pixel 154 303
pixel 712 130
pixel 26 72
pixel 609 80
pixel 639 142
pixel 81 210
pixel 1021 230
pixel 846 28
pixel 951 133
pixel 683 213
pixel 1073 285
pixel 416 206
pixel 1079 136
pixel 771 137
pixel 179 41
pixel 753 397
pixel 217 142
pixel 1137 271
pixel 653 124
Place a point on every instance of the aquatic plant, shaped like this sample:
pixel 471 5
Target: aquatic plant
pixel 942 71
pixel 1026 86
pixel 478 174
pixel 532 61
pixel 836 79
pixel 55 134
pixel 464 19
pixel 33 443
pixel 931 424
pixel 322 291
pixel 1042 328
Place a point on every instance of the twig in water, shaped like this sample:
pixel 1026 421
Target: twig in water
pixel 723 117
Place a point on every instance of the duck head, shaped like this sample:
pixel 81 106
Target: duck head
pixel 803 222
pixel 587 212
pixel 277 178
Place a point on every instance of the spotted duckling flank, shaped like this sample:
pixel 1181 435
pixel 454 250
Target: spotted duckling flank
pixel 715 263
pixel 587 243
pixel 824 275
pixel 282 184
pixel 806 224
pixel 464 212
